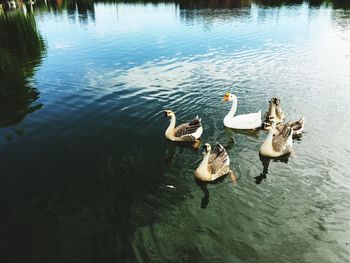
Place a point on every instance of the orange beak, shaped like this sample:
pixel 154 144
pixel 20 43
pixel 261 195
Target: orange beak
pixel 226 96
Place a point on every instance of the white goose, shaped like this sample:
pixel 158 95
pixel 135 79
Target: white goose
pixel 245 121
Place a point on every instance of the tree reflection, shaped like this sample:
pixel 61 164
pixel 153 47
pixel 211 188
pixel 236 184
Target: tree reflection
pixel 21 50
pixel 199 4
pixel 82 10
pixel 277 3
pixel 341 4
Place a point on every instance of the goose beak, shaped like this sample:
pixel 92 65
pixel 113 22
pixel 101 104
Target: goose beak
pixel 226 96
pixel 165 113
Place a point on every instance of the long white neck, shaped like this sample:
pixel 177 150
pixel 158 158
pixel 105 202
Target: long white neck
pixel 270 135
pixel 272 110
pixel 205 161
pixel 171 125
pixel 233 107
pixel 267 148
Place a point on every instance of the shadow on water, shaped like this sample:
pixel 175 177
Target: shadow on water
pixel 204 187
pixel 21 51
pixel 172 146
pixel 266 162
pixel 250 133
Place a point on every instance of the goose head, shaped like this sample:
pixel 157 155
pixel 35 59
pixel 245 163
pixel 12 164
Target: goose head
pixel 206 148
pixel 169 113
pixel 229 97
pixel 276 101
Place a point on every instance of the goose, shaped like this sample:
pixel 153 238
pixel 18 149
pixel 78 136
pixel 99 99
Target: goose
pixel 270 114
pixel 214 165
pixel 187 132
pixel 275 111
pixel 278 145
pixel 297 126
pixel 279 112
pixel 244 122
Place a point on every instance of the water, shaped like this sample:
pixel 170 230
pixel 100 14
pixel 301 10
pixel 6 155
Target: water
pixel 84 163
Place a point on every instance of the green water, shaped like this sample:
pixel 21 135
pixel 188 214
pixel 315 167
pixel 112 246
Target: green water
pixel 84 166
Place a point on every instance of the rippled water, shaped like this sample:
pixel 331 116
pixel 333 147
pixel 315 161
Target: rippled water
pixel 83 160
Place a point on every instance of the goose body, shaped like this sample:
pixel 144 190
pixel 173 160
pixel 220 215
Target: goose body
pixel 186 132
pixel 274 111
pixel 297 126
pixel 276 114
pixel 214 164
pixel 279 144
pixel 245 121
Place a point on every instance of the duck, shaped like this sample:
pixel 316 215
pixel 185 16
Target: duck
pixel 214 164
pixel 186 132
pixel 248 121
pixel 279 144
pixel 274 111
pixel 297 126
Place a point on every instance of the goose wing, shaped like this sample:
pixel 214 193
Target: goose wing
pixel 280 140
pixel 219 162
pixel 186 131
pixel 297 125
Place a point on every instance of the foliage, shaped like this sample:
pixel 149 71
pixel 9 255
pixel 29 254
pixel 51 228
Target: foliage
pixel 21 50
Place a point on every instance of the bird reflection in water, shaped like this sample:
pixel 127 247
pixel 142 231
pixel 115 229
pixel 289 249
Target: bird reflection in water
pixel 172 146
pixel 266 162
pixel 204 187
pixel 221 180
pixel 250 133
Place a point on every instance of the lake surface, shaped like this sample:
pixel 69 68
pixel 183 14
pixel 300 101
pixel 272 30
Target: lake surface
pixel 84 166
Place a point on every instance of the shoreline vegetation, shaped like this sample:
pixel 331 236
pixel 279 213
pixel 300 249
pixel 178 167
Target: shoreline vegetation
pixel 21 51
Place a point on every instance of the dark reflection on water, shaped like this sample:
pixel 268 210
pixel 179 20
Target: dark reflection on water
pixel 214 4
pixel 266 163
pixel 82 10
pixel 21 51
pixel 204 187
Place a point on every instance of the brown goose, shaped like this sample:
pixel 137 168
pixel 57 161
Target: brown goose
pixel 187 132
pixel 278 144
pixel 279 112
pixel 297 126
pixel 214 165
pixel 274 111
